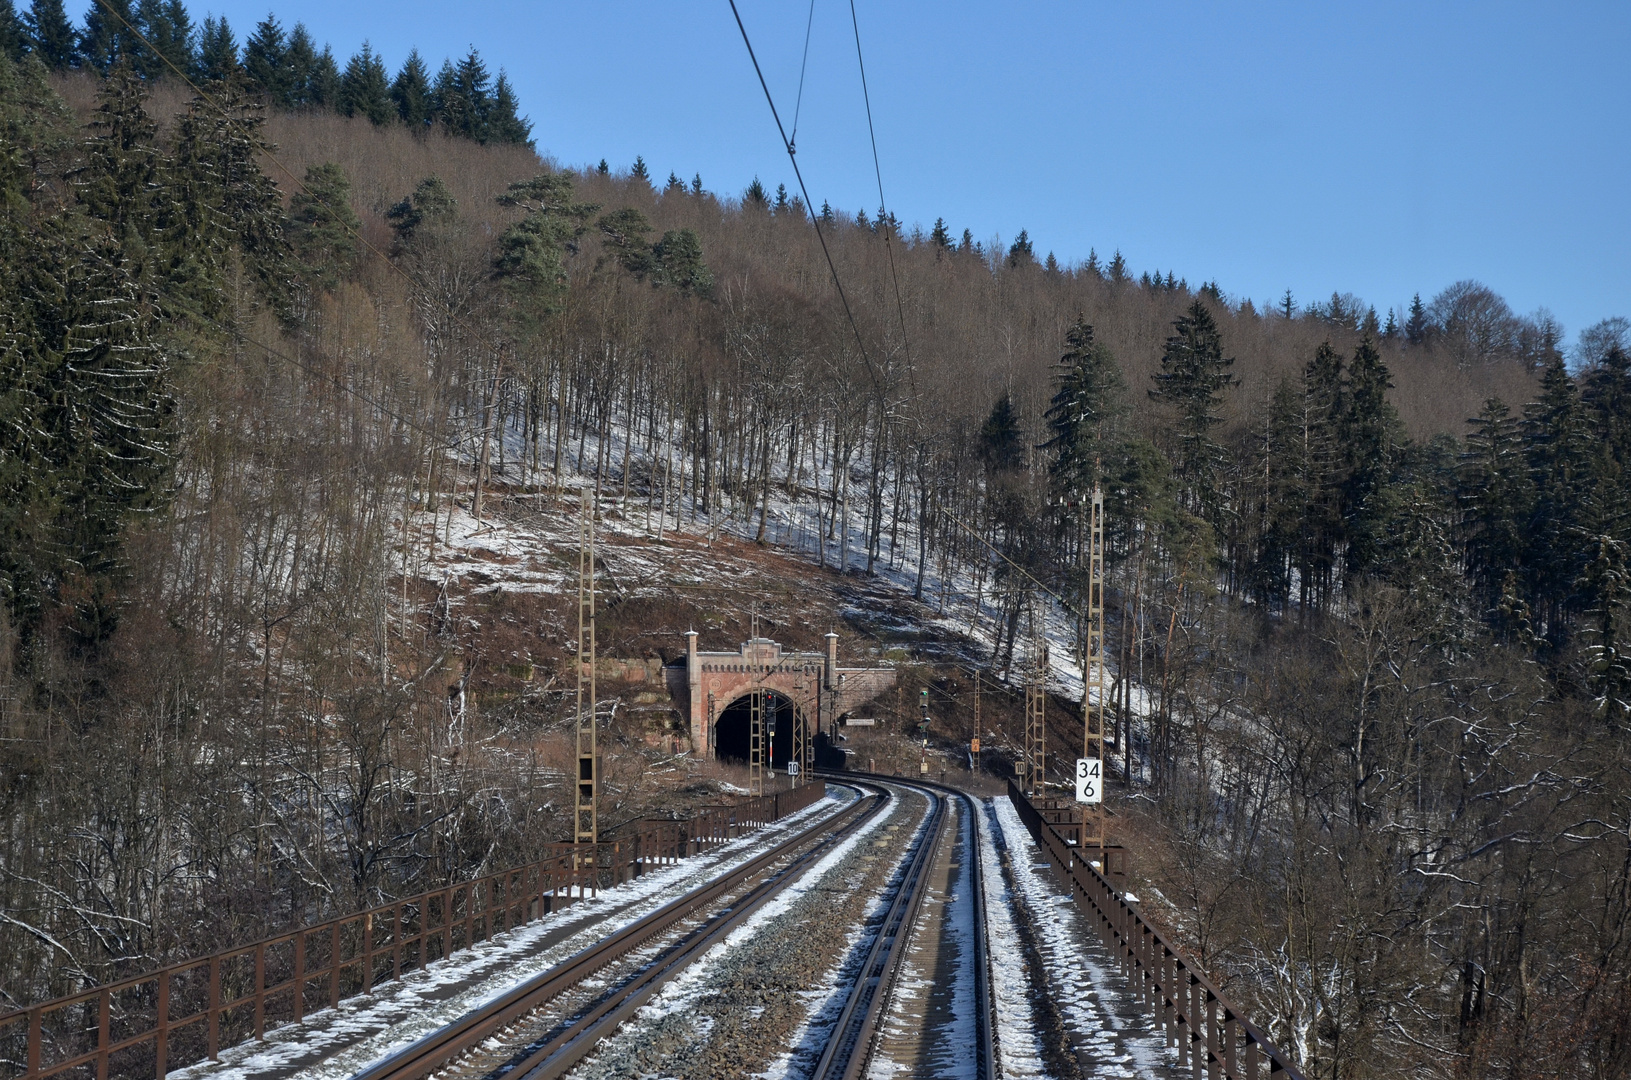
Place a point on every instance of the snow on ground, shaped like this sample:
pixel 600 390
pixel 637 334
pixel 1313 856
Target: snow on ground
pixel 1019 1050
pixel 1114 1036
pixel 338 1042
pixel 952 1054
pixel 676 1006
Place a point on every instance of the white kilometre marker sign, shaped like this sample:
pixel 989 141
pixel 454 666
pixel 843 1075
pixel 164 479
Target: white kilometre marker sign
pixel 1089 780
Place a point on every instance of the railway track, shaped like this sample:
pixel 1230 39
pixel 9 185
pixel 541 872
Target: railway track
pixel 850 1046
pixel 544 1028
pixel 703 916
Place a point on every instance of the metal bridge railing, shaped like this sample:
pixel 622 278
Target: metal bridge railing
pixel 184 1013
pixel 1212 1037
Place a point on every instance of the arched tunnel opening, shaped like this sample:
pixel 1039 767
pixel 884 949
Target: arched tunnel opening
pixel 731 730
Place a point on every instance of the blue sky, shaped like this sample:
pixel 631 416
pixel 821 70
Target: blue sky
pixel 1382 149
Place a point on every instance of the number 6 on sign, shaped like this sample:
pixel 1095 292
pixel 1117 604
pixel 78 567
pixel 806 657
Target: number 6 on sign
pixel 1089 788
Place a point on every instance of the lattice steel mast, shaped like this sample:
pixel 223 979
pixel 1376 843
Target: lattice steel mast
pixel 588 786
pixel 1036 710
pixel 1094 687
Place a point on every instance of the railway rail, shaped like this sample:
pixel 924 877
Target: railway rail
pixel 542 1054
pixel 849 1047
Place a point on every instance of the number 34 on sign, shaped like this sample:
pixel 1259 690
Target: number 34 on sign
pixel 1089 780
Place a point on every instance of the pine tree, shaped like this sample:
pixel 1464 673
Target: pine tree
pixel 1391 330
pixel 638 171
pixel 107 39
pixel 217 52
pixel 696 184
pixel 1193 378
pixel 323 228
pixel 1415 327
pixel 411 92
pixel 678 260
pixel 51 36
pixel 941 236
pixel 364 89
pixel 531 259
pixel 1082 413
pixel 675 185
pixel 966 245
pixel 754 197
pixel 781 198
pixel 1317 442
pixel 505 124
pixel 624 232
pixel 1093 266
pixel 118 185
pixel 1288 306
pixel 429 206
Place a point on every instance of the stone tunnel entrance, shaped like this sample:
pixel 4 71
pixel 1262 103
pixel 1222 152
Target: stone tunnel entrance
pixel 732 729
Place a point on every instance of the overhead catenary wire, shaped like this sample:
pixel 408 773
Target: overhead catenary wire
pixel 804 66
pixel 792 156
pixel 883 206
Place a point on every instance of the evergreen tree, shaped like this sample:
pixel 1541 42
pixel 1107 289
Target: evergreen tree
pixel 781 199
pixel 322 86
pixel 1496 499
pixel 505 124
pixel 217 52
pixel 1193 377
pixel 430 205
pixel 638 171
pixel 966 245
pixel 941 236
pixel 678 262
pixel 301 57
pixel 1391 330
pixel 1051 265
pixel 1002 440
pixel 51 36
pixel 1558 449
pixel 1019 252
pixel 531 259
pixel 462 99
pixel 1117 271
pixel 118 185
pixel 13 34
pixel 675 184
pixel 107 39
pixel 1288 306
pixel 754 197
pixel 169 30
pixel 323 228
pixel 412 94
pixel 1607 582
pixel 266 62
pixel 1082 413
pixel 1092 266
pixel 827 216
pixel 603 169
pixel 625 232
pixel 365 89
pixel 1415 327
pixel 696 184
pixel 1369 438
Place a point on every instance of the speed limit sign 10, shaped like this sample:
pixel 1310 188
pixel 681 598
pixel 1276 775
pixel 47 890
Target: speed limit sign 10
pixel 1089 780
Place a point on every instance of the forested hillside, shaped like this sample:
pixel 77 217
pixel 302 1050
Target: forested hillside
pixel 1370 575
